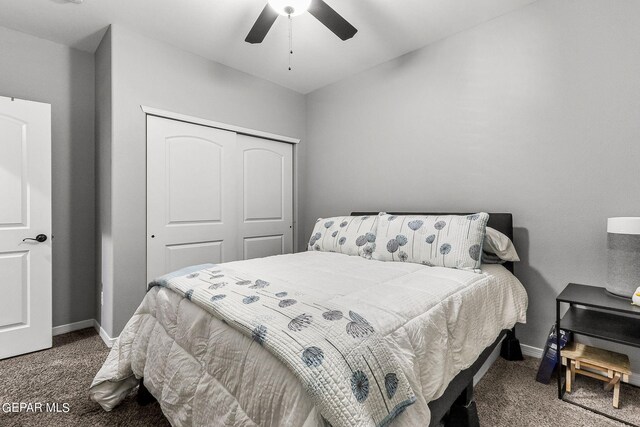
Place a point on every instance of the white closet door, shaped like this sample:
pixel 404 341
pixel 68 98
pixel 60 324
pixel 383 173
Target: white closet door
pixel 265 174
pixel 191 192
pixel 25 212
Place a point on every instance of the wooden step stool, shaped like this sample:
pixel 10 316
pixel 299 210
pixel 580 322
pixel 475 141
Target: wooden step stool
pixel 597 363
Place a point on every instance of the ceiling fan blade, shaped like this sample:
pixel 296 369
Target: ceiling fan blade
pixel 332 20
pixel 262 26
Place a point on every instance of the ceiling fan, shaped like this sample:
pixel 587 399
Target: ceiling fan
pixel 318 8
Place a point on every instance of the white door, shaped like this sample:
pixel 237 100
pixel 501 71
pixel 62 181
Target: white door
pixel 265 202
pixel 191 210
pixel 25 212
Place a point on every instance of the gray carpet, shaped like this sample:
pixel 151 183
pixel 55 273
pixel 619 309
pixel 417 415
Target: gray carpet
pixel 507 396
pixel 63 375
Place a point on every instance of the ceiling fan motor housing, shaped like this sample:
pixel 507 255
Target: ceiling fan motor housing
pixel 290 7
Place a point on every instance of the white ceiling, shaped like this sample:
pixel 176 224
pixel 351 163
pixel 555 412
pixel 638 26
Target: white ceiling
pixel 216 29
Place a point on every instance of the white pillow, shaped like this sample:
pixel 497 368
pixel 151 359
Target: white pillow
pixel 497 243
pixel 351 235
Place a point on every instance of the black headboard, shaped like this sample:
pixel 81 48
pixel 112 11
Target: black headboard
pixel 503 222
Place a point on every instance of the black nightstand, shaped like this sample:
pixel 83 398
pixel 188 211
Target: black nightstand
pixel 606 317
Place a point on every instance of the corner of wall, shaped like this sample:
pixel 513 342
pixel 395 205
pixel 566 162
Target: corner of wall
pixel 103 138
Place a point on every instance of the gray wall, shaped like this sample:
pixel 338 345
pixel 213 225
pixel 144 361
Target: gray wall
pixel 155 74
pixel 39 70
pixel 103 135
pixel 536 113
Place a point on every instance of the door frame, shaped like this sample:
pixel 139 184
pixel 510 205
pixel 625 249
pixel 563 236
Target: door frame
pixel 165 114
pixel 218 125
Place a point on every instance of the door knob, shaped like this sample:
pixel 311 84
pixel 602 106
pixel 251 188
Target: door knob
pixel 39 238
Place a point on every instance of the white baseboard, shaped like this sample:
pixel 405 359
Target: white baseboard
pixel 531 351
pixel 487 364
pixel 634 380
pixel 83 324
pixel 527 350
pixel 103 334
pixel 70 327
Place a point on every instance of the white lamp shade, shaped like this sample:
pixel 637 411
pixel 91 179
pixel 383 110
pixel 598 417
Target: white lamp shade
pixel 624 225
pixel 282 6
pixel 623 243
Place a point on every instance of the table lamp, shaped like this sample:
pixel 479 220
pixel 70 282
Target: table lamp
pixel 623 243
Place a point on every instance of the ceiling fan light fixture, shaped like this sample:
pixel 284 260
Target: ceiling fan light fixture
pixel 290 7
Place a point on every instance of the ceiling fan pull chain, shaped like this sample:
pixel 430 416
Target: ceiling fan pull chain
pixel 290 41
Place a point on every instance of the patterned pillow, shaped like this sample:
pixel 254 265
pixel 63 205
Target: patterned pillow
pixel 351 235
pixel 445 241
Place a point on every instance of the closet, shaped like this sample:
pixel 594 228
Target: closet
pixel 214 196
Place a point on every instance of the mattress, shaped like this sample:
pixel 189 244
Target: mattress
pixel 436 321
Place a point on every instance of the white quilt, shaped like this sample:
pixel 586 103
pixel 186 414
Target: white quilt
pixel 436 321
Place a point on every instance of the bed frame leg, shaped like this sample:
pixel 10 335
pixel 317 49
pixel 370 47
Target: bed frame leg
pixel 463 412
pixel 144 396
pixel 511 347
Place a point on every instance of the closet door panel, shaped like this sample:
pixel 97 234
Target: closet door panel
pixel 183 255
pixel 262 246
pixel 194 164
pixel 191 195
pixel 265 174
pixel 264 185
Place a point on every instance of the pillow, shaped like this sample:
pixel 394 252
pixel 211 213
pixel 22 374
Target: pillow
pixel 445 241
pixel 351 235
pixel 489 258
pixel 498 247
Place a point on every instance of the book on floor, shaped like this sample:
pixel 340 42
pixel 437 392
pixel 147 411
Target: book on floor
pixel 549 359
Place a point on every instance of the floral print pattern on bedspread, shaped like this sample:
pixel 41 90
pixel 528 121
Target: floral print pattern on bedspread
pixel 347 369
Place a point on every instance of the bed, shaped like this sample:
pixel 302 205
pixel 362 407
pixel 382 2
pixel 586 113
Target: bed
pixel 439 323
